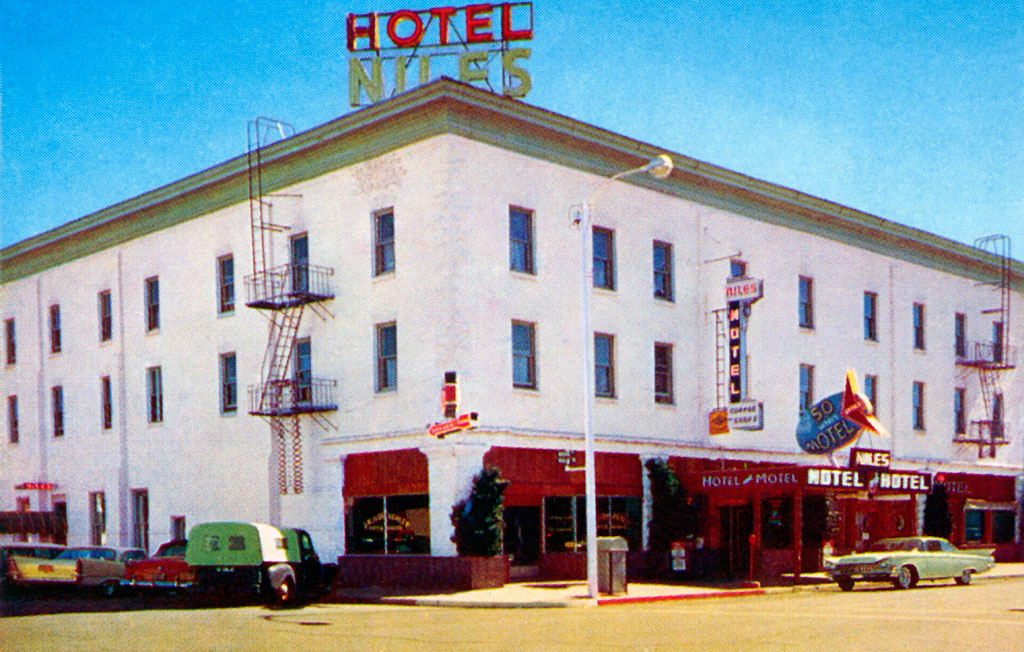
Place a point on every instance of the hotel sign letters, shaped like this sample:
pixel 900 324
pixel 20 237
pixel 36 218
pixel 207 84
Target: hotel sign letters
pixel 744 413
pixel 732 482
pixel 407 38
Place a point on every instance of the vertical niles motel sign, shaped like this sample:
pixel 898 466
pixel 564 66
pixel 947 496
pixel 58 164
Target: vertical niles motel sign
pixel 411 41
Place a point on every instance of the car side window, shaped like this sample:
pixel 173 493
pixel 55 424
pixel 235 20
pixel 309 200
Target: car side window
pixel 946 546
pixel 933 546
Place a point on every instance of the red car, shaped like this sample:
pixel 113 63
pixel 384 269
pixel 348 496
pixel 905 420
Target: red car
pixel 166 569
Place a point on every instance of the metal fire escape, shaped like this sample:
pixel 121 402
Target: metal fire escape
pixel 991 359
pixel 286 390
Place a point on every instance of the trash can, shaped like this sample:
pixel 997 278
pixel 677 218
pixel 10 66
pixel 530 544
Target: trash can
pixel 611 565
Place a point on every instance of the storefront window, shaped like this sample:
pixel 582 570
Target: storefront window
pixel 1002 526
pixel 974 525
pixel 565 521
pixel 388 525
pixel 777 523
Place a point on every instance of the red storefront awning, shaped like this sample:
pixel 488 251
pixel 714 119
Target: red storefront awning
pixel 42 523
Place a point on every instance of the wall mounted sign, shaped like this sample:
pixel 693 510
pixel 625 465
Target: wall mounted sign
pixel 471 36
pixel 837 420
pixel 36 486
pixel 746 414
pixel 902 481
pixel 861 458
pixel 464 422
pixel 743 413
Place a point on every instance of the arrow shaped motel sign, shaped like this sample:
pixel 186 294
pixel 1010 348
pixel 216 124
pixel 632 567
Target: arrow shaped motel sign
pixel 464 422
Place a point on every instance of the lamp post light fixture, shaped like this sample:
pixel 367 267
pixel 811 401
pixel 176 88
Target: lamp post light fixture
pixel 658 167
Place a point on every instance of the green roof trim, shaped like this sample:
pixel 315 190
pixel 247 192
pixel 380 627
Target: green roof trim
pixel 449 107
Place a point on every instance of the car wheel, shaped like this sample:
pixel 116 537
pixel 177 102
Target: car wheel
pixel 285 594
pixel 906 579
pixel 845 583
pixel 965 577
pixel 109 589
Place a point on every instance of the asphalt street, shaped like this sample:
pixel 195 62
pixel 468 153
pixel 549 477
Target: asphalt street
pixel 986 616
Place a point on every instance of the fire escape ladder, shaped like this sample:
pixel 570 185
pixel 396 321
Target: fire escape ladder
pixel 277 360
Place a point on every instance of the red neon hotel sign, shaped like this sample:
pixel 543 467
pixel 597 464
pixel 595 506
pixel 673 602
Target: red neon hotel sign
pixel 470 34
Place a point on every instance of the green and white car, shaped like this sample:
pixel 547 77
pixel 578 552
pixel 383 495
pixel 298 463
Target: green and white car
pixel 906 561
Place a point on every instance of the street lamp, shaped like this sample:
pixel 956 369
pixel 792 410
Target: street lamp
pixel 658 167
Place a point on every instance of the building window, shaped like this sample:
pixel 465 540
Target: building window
pixel 178 527
pixel 12 419
pixel 9 340
pixel 57 403
pixel 524 362
pixel 384 242
pixel 960 335
pixel 388 525
pixel 960 411
pixel 299 251
pixel 604 258
pixel 871 316
pixel 737 268
pixel 871 389
pixel 998 344
pixel 387 357
pixel 806 306
pixel 55 329
pixel 917 397
pixel 106 403
pixel 662 270
pixel 663 374
pixel 1002 525
pixel 152 303
pixel 919 326
pixel 520 240
pixel 228 384
pixel 806 387
pixel 97 518
pixel 106 315
pixel 303 371
pixel 974 525
pixel 140 518
pixel 565 521
pixel 604 365
pixel 997 417
pixel 225 284
pixel 155 391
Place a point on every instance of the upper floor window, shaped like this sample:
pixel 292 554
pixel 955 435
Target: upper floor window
pixel 604 365
pixel 663 270
pixel 737 268
pixel 57 405
pixel 960 335
pixel 152 303
pixel 871 316
pixel 604 258
pixel 384 242
pixel 998 345
pixel 919 326
pixel 960 411
pixel 806 387
pixel 304 370
pixel 225 283
pixel 228 383
pixel 106 404
pixel 520 240
pixel 155 392
pixel 871 389
pixel 917 404
pixel 9 341
pixel 524 355
pixel 997 416
pixel 12 419
pixel 105 309
pixel 299 259
pixel 806 305
pixel 387 357
pixel 55 344
pixel 663 374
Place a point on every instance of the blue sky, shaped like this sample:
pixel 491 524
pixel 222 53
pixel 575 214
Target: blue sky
pixel 911 111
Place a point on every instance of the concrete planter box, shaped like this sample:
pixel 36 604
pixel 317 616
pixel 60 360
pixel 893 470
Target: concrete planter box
pixel 420 571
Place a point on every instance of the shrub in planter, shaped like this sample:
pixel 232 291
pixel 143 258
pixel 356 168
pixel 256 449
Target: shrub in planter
pixel 668 507
pixel 479 519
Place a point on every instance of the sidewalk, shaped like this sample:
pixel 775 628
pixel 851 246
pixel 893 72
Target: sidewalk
pixel 574 594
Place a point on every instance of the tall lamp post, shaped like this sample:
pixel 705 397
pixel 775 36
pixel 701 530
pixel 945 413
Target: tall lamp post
pixel 658 167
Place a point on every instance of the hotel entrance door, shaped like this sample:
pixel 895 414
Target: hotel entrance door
pixel 736 525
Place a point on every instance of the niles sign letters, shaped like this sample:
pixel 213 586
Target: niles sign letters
pixel 470 36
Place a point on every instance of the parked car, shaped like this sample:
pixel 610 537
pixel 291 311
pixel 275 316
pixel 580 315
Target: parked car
pixel 34 550
pixel 84 566
pixel 166 569
pixel 906 561
pixel 254 559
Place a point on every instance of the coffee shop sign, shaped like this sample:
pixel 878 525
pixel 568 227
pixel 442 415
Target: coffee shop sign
pixel 414 40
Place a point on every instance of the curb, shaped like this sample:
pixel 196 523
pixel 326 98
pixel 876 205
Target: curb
pixel 686 596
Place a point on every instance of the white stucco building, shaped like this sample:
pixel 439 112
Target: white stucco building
pixel 441 222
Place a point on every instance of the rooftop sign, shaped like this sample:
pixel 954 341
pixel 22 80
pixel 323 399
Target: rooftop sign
pixel 474 34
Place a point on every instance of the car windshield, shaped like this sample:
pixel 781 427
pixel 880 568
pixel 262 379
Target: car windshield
pixel 171 550
pixel 894 545
pixel 87 553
